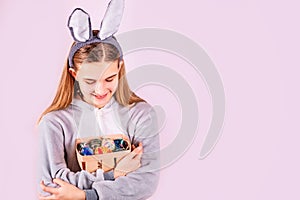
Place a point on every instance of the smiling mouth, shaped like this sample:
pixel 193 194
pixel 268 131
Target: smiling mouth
pixel 97 96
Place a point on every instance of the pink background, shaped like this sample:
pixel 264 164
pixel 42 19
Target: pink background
pixel 254 45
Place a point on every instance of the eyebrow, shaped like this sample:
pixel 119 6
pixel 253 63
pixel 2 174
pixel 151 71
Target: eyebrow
pixel 111 76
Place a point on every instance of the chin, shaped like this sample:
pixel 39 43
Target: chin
pixel 99 103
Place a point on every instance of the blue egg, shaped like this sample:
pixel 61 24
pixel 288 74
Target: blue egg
pixel 120 145
pixel 86 151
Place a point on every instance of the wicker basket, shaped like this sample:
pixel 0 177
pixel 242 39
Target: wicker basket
pixel 106 161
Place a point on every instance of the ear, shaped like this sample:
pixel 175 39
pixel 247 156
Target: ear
pixel 80 25
pixel 112 19
pixel 121 63
pixel 72 72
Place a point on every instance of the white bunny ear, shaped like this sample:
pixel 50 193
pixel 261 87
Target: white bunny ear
pixel 80 25
pixel 112 19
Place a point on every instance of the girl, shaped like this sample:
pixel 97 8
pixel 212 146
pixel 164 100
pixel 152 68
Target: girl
pixel 94 97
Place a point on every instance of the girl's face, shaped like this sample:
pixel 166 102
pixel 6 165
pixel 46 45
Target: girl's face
pixel 98 81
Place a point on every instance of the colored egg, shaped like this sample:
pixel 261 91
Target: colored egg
pixel 125 144
pixel 86 151
pixel 106 150
pixel 120 145
pixel 98 151
pixel 94 143
pixel 109 144
pixel 80 146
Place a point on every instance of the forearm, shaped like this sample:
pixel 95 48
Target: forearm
pixel 81 179
pixel 133 186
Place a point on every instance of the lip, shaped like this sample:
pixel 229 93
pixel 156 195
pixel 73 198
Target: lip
pixel 97 96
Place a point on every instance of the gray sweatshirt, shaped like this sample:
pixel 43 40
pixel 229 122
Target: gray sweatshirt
pixel 58 131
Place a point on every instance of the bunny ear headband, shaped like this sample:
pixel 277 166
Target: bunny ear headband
pixel 81 29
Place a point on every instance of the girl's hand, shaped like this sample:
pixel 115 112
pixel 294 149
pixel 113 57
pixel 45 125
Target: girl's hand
pixel 66 191
pixel 130 162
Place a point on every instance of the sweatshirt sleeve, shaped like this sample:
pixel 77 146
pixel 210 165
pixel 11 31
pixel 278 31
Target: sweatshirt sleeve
pixel 52 162
pixel 142 183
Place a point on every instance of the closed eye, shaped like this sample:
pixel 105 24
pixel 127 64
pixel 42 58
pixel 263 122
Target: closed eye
pixel 89 81
pixel 111 78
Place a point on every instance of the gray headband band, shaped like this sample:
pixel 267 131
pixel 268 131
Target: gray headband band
pixel 79 24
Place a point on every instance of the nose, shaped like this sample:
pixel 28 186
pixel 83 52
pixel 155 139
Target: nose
pixel 99 88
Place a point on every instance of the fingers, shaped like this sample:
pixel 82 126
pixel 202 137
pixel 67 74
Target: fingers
pixel 59 182
pixel 134 147
pixel 48 189
pixel 138 152
pixel 51 197
pixel 138 149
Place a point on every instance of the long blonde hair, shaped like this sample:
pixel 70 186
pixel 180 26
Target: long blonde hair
pixel 95 52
